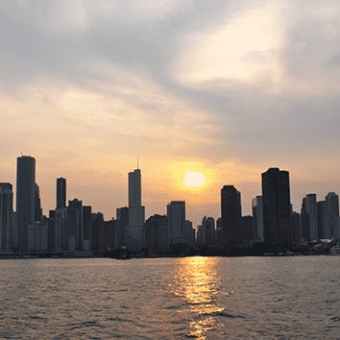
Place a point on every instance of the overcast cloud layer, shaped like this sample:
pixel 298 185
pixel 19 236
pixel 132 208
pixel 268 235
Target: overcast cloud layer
pixel 224 87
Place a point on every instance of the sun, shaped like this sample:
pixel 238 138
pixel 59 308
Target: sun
pixel 194 180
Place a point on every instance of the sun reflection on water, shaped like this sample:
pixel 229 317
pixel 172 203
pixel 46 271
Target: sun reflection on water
pixel 196 282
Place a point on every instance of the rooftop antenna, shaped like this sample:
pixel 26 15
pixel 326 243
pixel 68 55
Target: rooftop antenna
pixel 138 163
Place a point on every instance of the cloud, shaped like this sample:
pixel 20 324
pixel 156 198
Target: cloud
pixel 225 82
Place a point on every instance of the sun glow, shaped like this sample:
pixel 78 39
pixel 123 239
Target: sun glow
pixel 194 180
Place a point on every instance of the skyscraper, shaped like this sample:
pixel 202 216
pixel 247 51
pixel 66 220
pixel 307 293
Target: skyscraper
pixel 231 214
pixel 25 198
pixel 309 216
pixel 6 215
pixel 332 203
pixel 176 222
pixel 37 204
pixel 135 229
pixel 276 206
pixel 61 193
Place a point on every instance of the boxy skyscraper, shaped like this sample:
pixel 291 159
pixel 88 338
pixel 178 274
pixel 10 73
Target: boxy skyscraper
pixel 276 207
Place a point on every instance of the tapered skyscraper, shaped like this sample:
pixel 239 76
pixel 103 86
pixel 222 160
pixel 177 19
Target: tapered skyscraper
pixel 25 198
pixel 135 230
pixel 276 206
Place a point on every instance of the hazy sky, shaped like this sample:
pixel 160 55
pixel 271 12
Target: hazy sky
pixel 228 88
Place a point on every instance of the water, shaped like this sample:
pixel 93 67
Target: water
pixel 203 298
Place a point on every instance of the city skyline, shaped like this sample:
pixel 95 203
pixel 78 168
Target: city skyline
pixel 238 87
pixel 75 227
pixel 246 205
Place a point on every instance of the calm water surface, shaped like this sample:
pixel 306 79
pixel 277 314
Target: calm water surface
pixel 203 298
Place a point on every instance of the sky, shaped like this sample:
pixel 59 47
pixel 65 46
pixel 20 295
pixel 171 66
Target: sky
pixel 224 88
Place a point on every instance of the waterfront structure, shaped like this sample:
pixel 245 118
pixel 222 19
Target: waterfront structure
pixel 276 207
pixel 61 193
pixel 25 198
pixel 6 216
pixel 231 214
pixel 257 209
pixel 309 216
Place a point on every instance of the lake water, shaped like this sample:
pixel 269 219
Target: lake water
pixel 194 297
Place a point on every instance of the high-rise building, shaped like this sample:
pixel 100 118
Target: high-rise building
pixel 309 216
pixel 122 223
pixel 176 222
pixel 75 225
pixel 87 228
pixel 332 201
pixel 248 231
pixel 156 235
pixel 323 225
pixel 257 207
pixel 61 193
pixel 38 213
pixel 6 216
pixel 276 207
pixel 296 228
pixel 135 229
pixel 206 232
pixel 25 198
pixel 231 214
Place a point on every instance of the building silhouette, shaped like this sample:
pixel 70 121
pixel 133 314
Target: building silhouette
pixel 25 198
pixel 332 208
pixel 276 207
pixel 247 230
pixel 38 213
pixel 231 215
pixel 6 216
pixel 309 216
pixel 135 230
pixel 206 234
pixel 61 193
pixel 156 235
pixel 176 222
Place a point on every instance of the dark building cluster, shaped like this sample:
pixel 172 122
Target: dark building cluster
pixel 74 229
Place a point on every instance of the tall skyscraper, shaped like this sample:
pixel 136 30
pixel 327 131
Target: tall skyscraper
pixel 257 207
pixel 276 206
pixel 6 215
pixel 61 193
pixel 231 214
pixel 309 216
pixel 135 229
pixel 332 202
pixel 25 198
pixel 176 222
pixel 323 225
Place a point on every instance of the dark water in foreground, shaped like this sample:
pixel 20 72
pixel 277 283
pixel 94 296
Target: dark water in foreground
pixel 214 298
